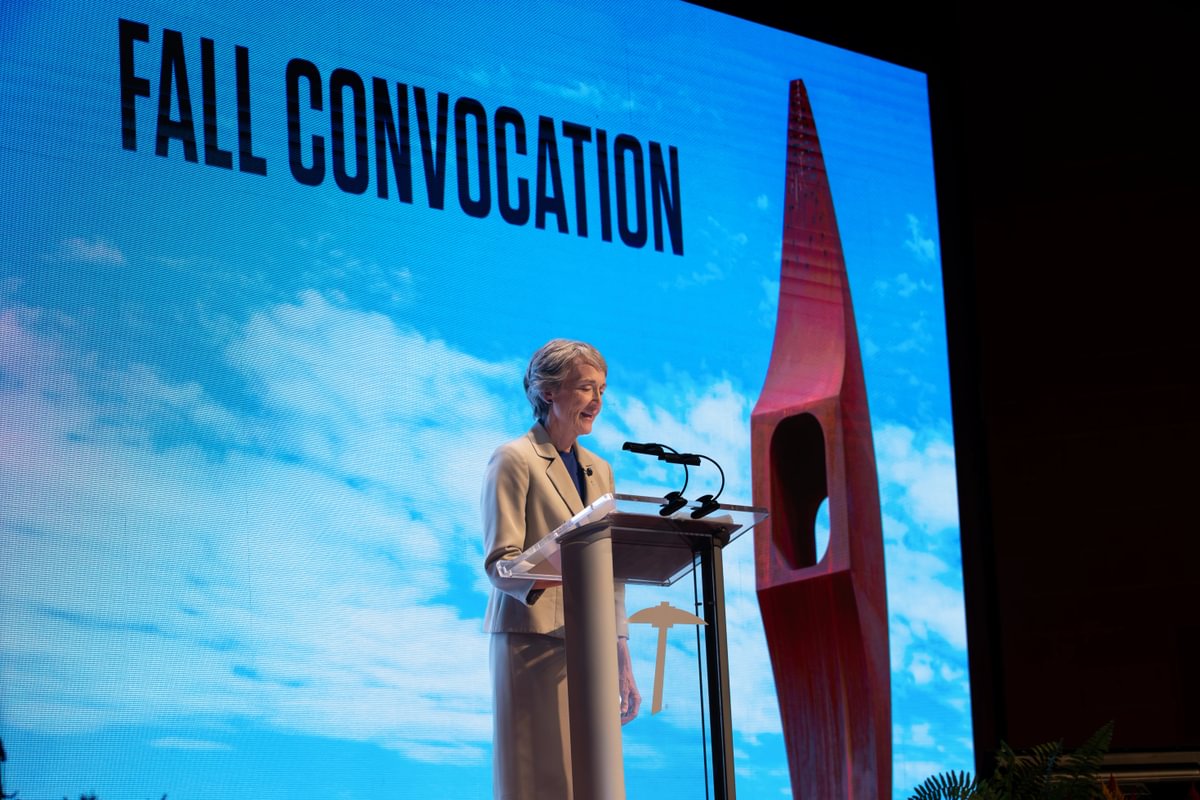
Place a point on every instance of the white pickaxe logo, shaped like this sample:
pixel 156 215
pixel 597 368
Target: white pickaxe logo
pixel 663 616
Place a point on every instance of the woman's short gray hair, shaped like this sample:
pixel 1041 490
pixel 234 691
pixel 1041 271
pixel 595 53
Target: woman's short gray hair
pixel 551 365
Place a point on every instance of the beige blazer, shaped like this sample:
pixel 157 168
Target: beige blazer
pixel 526 494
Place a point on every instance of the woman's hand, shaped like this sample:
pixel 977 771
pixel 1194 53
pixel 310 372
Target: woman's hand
pixel 631 699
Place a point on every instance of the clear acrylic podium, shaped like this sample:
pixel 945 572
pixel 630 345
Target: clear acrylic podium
pixel 625 538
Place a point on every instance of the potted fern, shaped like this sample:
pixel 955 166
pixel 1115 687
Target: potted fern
pixel 1045 772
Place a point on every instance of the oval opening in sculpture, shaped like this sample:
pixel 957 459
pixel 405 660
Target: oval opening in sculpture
pixel 799 489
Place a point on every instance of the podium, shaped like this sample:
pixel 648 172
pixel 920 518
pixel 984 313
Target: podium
pixel 625 538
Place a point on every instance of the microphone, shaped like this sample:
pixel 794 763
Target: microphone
pixel 672 501
pixel 707 503
pixel 689 459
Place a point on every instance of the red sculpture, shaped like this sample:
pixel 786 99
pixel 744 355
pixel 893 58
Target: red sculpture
pixel 825 621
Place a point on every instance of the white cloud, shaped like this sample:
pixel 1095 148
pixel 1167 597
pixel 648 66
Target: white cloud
pixel 922 246
pixel 921 669
pixel 723 249
pixel 713 420
pixel 297 571
pixel 769 305
pixel 597 95
pixel 579 90
pixel 908 773
pixel 924 595
pixel 496 77
pixel 903 285
pixel 899 638
pixel 711 271
pixel 642 751
pixel 919 735
pixel 920 523
pixel 907 287
pixel 88 251
pixel 950 673
pixel 921 469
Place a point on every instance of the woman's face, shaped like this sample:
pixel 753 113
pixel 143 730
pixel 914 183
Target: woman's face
pixel 575 404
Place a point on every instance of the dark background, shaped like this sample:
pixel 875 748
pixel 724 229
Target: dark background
pixel 1067 182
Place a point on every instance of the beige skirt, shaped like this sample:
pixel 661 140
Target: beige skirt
pixel 531 744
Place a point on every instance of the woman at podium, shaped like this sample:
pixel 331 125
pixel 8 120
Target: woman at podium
pixel 534 484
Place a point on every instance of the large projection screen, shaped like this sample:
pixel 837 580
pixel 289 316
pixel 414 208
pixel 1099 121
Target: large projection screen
pixel 271 277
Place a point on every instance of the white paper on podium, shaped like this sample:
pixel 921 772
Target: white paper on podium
pixel 543 561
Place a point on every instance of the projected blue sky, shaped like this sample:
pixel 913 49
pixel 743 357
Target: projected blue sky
pixel 243 420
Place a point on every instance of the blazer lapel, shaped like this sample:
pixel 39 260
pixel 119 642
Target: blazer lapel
pixel 555 470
